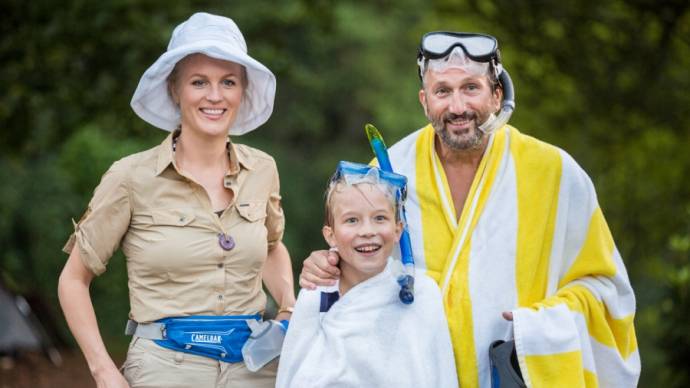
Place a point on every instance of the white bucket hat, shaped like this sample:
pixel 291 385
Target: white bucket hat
pixel 217 37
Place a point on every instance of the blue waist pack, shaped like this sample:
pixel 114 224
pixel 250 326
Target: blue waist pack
pixel 217 337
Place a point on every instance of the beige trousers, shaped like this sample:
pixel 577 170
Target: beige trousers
pixel 149 365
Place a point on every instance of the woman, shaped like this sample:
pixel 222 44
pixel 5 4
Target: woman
pixel 198 218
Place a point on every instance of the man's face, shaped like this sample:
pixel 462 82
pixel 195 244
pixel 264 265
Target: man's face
pixel 456 103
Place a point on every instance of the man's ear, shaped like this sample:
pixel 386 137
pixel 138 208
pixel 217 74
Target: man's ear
pixel 329 236
pixel 422 100
pixel 498 98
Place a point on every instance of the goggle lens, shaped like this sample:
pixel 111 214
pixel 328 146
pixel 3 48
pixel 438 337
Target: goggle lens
pixel 345 168
pixel 478 47
pixel 357 172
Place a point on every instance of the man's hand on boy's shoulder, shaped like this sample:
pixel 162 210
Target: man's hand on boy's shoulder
pixel 319 269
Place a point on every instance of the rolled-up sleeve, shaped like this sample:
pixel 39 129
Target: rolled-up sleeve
pixel 100 230
pixel 275 219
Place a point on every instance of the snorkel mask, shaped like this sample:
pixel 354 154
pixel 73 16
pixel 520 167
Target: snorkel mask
pixel 477 53
pixel 394 186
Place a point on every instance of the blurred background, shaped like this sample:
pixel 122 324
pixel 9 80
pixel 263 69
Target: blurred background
pixel 605 80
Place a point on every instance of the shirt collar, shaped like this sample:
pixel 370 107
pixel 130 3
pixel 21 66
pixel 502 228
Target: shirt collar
pixel 238 157
pixel 166 155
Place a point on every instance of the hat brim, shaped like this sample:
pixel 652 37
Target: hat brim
pixel 152 102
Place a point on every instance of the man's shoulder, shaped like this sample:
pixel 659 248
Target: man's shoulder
pixel 530 145
pixel 547 156
pixel 539 152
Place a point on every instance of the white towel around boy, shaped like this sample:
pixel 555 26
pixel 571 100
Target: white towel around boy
pixel 368 338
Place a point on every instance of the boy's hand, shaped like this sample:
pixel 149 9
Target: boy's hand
pixel 319 269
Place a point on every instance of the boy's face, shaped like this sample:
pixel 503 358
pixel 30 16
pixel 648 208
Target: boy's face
pixel 364 229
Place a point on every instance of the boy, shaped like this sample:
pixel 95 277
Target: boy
pixel 358 333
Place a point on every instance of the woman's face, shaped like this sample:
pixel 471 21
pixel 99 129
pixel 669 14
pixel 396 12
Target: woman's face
pixel 209 92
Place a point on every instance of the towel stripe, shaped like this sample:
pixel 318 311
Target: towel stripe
pixel 537 198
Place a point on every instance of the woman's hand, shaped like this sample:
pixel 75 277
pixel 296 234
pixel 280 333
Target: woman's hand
pixel 110 378
pixel 320 269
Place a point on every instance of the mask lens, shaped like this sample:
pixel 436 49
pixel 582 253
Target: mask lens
pixel 476 46
pixel 438 44
pixel 354 173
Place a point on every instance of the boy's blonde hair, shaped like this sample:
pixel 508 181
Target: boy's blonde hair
pixel 338 181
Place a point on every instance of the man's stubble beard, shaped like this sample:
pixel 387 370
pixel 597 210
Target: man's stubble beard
pixel 473 140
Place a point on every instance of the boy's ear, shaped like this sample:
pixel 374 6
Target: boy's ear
pixel 398 230
pixel 329 236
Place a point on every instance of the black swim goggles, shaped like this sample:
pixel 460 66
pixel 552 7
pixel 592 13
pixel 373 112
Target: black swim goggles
pixel 478 47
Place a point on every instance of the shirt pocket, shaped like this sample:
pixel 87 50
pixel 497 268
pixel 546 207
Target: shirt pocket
pixel 152 226
pixel 252 211
pixel 172 217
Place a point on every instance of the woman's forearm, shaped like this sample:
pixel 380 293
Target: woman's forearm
pixel 277 275
pixel 75 300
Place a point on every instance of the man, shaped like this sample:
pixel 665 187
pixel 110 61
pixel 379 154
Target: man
pixel 511 229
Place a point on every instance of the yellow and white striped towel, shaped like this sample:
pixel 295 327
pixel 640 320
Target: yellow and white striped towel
pixel 531 239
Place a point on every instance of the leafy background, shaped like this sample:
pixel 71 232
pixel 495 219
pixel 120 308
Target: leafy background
pixel 607 81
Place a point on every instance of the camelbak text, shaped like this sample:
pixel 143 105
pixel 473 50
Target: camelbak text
pixel 206 338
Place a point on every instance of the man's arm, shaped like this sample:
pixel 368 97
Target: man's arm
pixel 582 333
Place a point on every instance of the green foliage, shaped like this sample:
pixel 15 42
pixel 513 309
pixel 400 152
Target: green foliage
pixel 675 308
pixel 606 81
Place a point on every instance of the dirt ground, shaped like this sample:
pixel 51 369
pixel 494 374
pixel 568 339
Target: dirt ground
pixel 34 370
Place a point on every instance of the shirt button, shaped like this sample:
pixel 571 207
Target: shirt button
pixel 220 265
pixel 220 297
pixel 182 219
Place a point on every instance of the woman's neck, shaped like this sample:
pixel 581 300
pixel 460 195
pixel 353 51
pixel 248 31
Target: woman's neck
pixel 194 152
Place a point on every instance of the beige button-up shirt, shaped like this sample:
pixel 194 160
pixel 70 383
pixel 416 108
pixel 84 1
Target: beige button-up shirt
pixel 164 223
